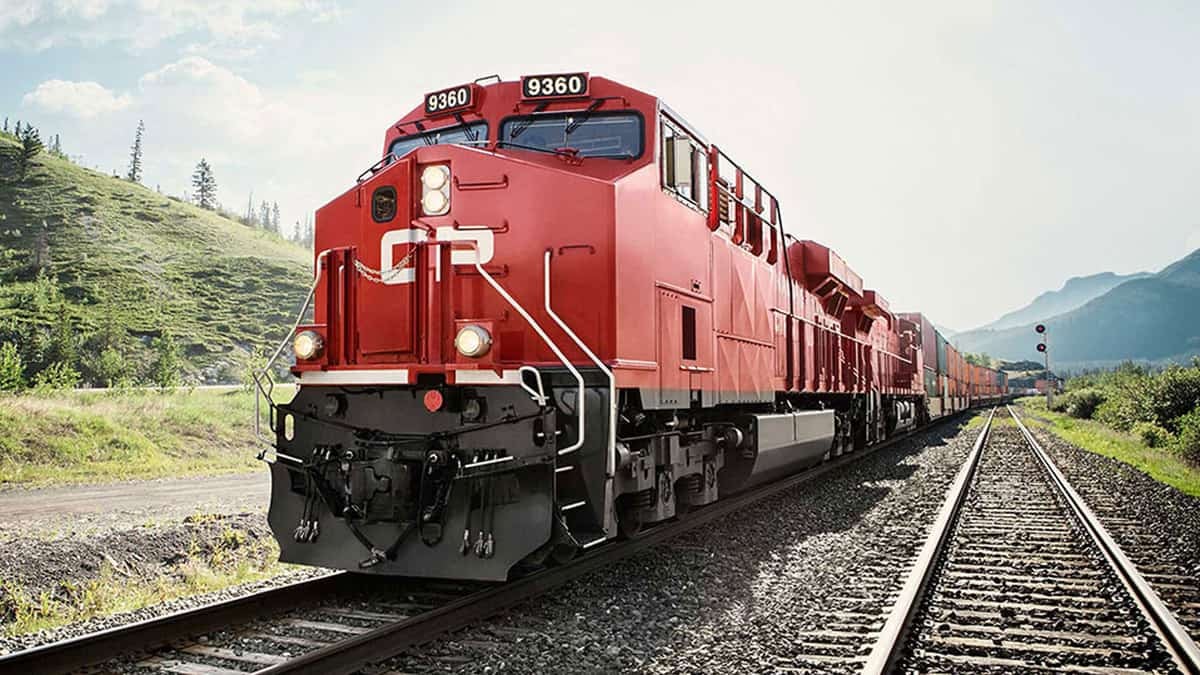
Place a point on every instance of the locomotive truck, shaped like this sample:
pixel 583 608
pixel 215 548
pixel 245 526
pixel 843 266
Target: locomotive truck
pixel 554 313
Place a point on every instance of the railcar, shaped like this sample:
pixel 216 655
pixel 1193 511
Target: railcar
pixel 554 313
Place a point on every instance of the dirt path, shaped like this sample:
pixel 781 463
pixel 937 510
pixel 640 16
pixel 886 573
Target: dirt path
pixel 64 510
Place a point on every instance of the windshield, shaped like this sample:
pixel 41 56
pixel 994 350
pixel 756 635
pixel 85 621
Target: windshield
pixel 593 135
pixel 463 134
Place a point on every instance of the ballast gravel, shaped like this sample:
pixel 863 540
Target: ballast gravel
pixel 1156 525
pixel 739 595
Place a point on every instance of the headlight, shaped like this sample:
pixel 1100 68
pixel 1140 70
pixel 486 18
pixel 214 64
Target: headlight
pixel 434 203
pixel 435 177
pixel 435 190
pixel 473 341
pixel 307 345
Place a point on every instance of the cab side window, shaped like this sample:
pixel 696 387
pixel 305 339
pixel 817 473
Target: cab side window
pixel 684 166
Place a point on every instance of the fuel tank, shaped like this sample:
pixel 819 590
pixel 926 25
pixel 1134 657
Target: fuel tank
pixel 775 445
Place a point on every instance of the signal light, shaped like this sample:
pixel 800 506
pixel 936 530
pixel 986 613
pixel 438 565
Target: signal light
pixel 1041 328
pixel 1041 347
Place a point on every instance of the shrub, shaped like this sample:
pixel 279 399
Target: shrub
pixel 1082 404
pixel 1060 403
pixel 1152 435
pixel 1176 392
pixel 1188 441
pixel 12 377
pixel 1129 400
pixel 56 376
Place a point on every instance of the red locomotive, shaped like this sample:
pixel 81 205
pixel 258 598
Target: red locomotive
pixel 554 313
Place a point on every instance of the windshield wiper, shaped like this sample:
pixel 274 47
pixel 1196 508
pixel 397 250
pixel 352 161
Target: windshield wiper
pixel 583 116
pixel 570 153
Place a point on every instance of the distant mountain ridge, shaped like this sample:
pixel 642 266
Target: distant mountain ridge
pixel 1150 318
pixel 1075 293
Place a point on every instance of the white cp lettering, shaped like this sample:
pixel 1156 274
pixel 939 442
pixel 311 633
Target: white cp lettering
pixel 484 239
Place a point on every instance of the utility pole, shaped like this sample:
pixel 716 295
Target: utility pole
pixel 1044 348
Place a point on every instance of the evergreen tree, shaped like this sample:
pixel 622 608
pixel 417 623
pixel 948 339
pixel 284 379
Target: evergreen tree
pixel 249 219
pixel 12 371
pixel 205 185
pixel 165 371
pixel 17 129
pixel 275 218
pixel 135 155
pixel 31 145
pixel 6 124
pixel 56 147
pixel 264 216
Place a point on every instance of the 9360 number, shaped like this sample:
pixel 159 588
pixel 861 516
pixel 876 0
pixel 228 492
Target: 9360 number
pixel 448 99
pixel 551 86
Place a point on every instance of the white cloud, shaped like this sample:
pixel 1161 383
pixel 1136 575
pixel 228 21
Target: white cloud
pixel 229 26
pixel 84 100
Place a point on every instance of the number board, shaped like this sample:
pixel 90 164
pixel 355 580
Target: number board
pixel 561 85
pixel 447 100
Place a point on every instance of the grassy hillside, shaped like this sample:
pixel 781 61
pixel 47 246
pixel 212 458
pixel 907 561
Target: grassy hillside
pixel 92 265
pixel 1148 319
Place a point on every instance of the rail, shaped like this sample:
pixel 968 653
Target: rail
pixel 890 646
pixel 895 629
pixel 1183 648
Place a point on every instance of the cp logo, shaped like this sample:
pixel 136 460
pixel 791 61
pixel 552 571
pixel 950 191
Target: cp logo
pixel 485 247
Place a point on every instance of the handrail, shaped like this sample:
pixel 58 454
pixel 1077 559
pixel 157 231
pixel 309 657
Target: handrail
pixel 610 461
pixel 265 372
pixel 610 465
pixel 580 402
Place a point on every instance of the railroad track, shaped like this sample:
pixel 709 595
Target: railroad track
pixel 1018 574
pixel 343 622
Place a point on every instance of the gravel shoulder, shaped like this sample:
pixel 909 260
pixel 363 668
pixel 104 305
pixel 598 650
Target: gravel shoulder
pixel 74 510
pixel 76 559
pixel 749 593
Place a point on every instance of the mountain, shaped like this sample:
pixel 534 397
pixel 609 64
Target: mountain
pixel 1147 319
pixel 1075 293
pixel 94 267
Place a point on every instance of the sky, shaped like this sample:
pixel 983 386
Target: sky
pixel 962 156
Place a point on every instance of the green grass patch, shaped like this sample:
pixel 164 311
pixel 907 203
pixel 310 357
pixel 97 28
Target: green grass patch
pixel 82 437
pixel 1160 464
pixel 233 560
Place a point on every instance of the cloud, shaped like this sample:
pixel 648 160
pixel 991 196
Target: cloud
pixel 84 100
pixel 226 26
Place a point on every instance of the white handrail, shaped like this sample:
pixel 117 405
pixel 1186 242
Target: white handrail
pixel 265 372
pixel 610 464
pixel 549 343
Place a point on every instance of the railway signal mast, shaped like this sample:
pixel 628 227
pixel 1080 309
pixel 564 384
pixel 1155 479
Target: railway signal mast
pixel 1044 348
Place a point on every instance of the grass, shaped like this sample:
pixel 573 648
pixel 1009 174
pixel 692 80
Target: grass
pixel 124 254
pixel 234 559
pixel 84 437
pixel 1160 464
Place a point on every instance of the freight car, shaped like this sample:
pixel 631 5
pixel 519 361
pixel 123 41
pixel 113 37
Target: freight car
pixel 554 313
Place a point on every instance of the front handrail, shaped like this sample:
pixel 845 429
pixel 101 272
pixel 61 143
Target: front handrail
pixel 264 374
pixel 581 399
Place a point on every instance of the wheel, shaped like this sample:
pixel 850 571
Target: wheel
pixel 563 553
pixel 629 522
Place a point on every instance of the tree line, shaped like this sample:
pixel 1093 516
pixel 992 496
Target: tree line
pixel 266 215
pixel 47 350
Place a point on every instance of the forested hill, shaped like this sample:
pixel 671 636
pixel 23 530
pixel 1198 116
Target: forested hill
pixel 114 281
pixel 1148 319
pixel 1077 292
